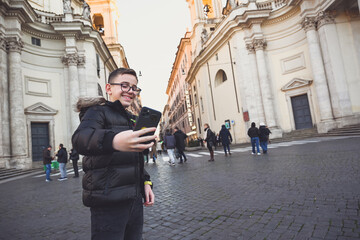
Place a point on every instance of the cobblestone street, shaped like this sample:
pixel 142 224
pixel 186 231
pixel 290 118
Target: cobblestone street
pixel 308 189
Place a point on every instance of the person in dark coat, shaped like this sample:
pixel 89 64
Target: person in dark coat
pixel 264 133
pixel 115 181
pixel 62 159
pixel 47 162
pixel 180 137
pixel 225 138
pixel 74 156
pixel 209 138
pixel 253 133
pixel 170 144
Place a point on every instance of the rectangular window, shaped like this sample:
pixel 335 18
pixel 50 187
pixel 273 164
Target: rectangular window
pixel 36 41
pixel 98 65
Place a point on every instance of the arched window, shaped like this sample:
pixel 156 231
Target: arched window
pixel 98 23
pixel 220 77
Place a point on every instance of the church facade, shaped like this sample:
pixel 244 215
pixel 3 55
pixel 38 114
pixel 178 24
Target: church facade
pixel 50 54
pixel 292 64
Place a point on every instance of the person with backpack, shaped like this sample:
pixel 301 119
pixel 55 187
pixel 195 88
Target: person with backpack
pixel 209 138
pixel 264 133
pixel 226 139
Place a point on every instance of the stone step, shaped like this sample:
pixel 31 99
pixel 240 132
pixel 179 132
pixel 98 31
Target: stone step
pixel 12 172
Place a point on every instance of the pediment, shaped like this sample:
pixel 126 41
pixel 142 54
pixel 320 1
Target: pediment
pixel 40 108
pixel 296 83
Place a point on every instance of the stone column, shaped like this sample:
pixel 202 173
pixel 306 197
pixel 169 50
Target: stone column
pixel 4 101
pixel 326 117
pixel 82 76
pixel 71 60
pixel 17 117
pixel 253 96
pixel 265 86
pixel 334 65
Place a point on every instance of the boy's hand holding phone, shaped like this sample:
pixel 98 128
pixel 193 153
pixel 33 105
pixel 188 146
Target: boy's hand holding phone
pixel 134 141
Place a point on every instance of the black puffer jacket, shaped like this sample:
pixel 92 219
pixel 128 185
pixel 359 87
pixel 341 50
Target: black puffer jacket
pixel 110 176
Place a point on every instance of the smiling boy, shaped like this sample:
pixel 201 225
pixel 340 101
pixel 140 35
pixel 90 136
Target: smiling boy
pixel 115 181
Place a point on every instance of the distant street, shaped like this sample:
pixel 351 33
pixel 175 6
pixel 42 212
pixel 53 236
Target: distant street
pixel 306 189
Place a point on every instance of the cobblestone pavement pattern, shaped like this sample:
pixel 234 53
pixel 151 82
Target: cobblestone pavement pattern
pixel 297 191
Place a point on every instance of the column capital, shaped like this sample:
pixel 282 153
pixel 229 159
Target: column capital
pixel 325 17
pixel 70 59
pixel 81 61
pixel 308 23
pixel 250 48
pixel 3 43
pixel 14 45
pixel 259 44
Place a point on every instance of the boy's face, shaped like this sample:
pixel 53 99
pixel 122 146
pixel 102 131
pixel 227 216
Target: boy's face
pixel 115 92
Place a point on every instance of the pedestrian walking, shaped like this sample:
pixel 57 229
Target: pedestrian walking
pixel 209 138
pixel 47 162
pixel 218 140
pixel 253 133
pixel 264 133
pixel 62 158
pixel 146 155
pixel 159 147
pixel 74 157
pixel 170 143
pixel 115 180
pixel 180 137
pixel 153 153
pixel 226 139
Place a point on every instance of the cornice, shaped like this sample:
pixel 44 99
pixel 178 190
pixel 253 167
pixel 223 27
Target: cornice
pixel 288 14
pixel 41 34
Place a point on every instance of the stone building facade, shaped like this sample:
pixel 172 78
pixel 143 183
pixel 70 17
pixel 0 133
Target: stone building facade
pixel 179 112
pixel 49 56
pixel 292 64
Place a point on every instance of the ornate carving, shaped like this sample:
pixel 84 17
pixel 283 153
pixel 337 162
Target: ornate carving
pixel 308 23
pixel 67 6
pixel 250 47
pixel 259 44
pixel 324 18
pixel 70 59
pixel 15 45
pixel 204 36
pixel 86 11
pixel 81 61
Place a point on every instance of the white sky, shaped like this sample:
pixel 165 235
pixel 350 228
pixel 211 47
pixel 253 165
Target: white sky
pixel 150 31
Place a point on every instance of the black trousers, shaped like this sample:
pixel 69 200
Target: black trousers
pixel 181 154
pixel 123 222
pixel 76 168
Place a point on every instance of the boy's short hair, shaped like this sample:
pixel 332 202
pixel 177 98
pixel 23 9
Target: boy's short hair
pixel 122 71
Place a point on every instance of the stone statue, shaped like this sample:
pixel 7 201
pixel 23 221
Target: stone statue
pixel 86 11
pixel 67 6
pixel 204 36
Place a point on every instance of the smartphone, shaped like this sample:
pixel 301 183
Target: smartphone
pixel 147 118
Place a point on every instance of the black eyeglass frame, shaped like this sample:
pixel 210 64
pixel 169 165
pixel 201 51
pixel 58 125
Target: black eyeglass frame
pixel 137 90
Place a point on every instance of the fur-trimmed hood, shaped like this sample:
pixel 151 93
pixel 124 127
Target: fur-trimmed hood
pixel 84 103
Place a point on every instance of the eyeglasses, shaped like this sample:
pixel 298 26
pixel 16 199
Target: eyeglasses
pixel 126 87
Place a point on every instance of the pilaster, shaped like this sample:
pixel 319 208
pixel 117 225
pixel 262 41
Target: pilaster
pixel 4 101
pixel 71 61
pixel 82 76
pixel 265 85
pixel 334 65
pixel 326 117
pixel 16 102
pixel 253 92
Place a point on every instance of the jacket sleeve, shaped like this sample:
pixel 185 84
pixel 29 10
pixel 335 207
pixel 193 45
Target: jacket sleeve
pixel 91 137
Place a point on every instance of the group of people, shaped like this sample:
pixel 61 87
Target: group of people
pixel 259 136
pixel 175 142
pixel 211 141
pixel 62 159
